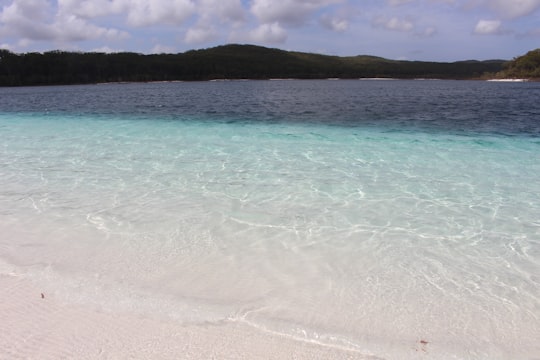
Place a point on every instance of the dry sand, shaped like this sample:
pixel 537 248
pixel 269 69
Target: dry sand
pixel 38 326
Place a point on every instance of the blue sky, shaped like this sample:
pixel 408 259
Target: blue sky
pixel 435 30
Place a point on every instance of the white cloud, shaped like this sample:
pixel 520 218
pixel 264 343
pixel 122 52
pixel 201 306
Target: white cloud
pixel 163 49
pixel 34 20
pixel 394 24
pixel 339 18
pixel 200 34
pixel 72 28
pixel 213 14
pixel 6 47
pixel 26 19
pixel 153 12
pixel 137 12
pixel 23 43
pixel 488 27
pixel 92 8
pixel 39 25
pixel 230 11
pixel 268 34
pixel 334 23
pixel 290 12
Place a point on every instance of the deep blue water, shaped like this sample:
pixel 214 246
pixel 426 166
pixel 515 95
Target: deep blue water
pixel 457 107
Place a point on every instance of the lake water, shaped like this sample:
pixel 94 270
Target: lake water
pixel 394 218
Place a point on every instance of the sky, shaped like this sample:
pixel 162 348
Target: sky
pixel 430 30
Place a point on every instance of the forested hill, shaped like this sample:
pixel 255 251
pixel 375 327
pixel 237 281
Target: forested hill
pixel 222 62
pixel 523 67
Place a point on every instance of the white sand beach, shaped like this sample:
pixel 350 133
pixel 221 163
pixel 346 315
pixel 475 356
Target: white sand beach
pixel 35 325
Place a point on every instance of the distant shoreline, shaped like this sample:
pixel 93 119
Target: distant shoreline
pixel 321 79
pixel 221 63
pixel 289 79
pixel 245 62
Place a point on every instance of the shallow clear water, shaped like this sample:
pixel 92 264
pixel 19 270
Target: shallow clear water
pixel 366 214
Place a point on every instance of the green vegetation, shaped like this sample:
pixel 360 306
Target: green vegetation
pixel 523 67
pixel 222 62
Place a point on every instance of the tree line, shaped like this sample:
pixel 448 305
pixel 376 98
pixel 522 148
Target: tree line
pixel 523 67
pixel 222 62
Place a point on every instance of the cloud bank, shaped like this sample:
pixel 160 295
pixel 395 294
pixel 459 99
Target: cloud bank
pixel 343 27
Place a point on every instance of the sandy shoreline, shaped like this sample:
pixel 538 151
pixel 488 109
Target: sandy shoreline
pixel 38 326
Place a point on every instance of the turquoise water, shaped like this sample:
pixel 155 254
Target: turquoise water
pixel 369 215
